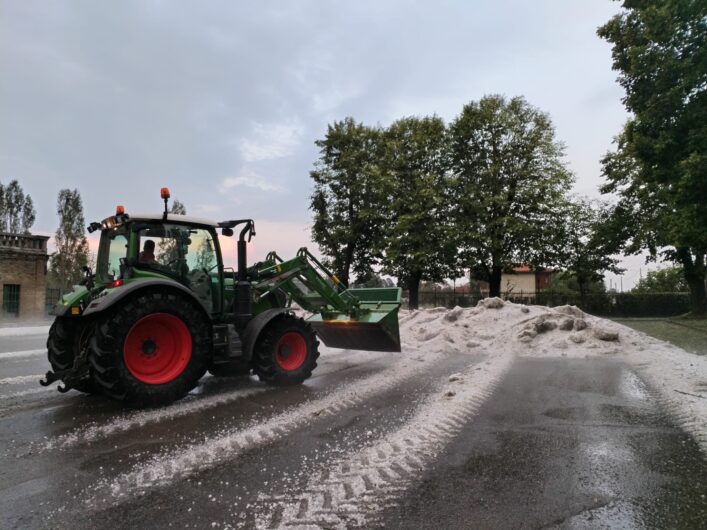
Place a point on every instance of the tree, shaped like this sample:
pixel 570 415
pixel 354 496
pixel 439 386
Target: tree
pixel 567 283
pixel 667 280
pixel 17 214
pixel 178 207
pixel 587 252
pixel 659 168
pixel 509 180
pixel 205 255
pixel 347 199
pixel 418 244
pixel 167 247
pixel 71 244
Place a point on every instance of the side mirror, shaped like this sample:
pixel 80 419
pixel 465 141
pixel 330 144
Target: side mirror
pixel 228 232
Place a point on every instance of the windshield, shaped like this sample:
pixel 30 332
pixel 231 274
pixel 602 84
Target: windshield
pixel 176 249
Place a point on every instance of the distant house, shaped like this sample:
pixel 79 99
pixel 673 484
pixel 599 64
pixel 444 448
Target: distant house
pixel 526 282
pixel 23 275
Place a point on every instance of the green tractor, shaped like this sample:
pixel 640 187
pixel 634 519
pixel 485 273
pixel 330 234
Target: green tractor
pixel 161 310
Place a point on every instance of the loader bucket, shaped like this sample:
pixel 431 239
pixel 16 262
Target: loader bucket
pixel 375 330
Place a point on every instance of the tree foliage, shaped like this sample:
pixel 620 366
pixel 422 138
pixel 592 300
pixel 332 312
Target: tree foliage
pixel 586 248
pixel 71 244
pixel 509 181
pixel 17 213
pixel 178 207
pixel 422 200
pixel 567 283
pixel 167 247
pixel 667 280
pixel 659 168
pixel 347 198
pixel 418 243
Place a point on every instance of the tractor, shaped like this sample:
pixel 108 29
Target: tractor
pixel 161 309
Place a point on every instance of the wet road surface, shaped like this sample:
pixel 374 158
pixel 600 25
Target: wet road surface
pixel 371 440
pixel 564 444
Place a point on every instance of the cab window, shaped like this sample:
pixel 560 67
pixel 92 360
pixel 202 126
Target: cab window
pixel 115 243
pixel 183 252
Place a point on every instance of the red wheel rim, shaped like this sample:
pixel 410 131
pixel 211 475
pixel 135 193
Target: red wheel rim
pixel 157 348
pixel 291 351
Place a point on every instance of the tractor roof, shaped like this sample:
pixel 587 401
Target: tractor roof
pixel 187 219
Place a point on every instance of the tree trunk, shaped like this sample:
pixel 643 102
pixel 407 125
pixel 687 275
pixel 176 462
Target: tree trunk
pixel 698 296
pixel 582 292
pixel 495 281
pixel 695 277
pixel 414 291
pixel 346 265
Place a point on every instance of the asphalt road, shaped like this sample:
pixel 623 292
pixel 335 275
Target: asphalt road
pixel 373 440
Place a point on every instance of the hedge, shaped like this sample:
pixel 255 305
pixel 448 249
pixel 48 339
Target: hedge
pixel 611 305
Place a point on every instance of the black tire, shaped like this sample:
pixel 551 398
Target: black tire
pixel 270 361
pixel 230 369
pixel 109 356
pixel 65 339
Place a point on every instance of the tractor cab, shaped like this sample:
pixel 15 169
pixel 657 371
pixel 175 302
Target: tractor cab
pixel 179 248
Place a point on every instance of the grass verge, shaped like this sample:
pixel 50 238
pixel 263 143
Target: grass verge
pixel 687 333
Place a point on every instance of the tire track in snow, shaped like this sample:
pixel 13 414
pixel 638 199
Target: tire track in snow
pixel 183 462
pixel 677 411
pixel 91 433
pixel 352 490
pixel 191 404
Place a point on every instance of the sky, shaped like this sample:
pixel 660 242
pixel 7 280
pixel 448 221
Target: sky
pixel 222 101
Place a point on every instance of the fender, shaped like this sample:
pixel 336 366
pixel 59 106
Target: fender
pixel 256 325
pixel 104 302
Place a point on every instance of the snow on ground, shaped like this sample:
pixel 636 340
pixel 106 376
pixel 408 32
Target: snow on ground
pixel 21 379
pixel 23 331
pixel 499 327
pixel 354 485
pixel 182 462
pixel 492 334
pixel 21 354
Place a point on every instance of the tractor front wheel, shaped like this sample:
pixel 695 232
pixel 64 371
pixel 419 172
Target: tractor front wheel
pixel 152 350
pixel 286 352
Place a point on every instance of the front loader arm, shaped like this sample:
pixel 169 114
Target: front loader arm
pixel 363 319
pixel 307 282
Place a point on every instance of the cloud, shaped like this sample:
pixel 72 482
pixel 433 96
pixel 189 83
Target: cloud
pixel 269 142
pixel 250 180
pixel 185 95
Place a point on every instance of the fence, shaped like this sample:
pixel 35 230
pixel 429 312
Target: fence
pixel 603 304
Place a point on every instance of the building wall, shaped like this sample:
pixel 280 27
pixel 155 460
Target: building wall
pixel 23 262
pixel 517 284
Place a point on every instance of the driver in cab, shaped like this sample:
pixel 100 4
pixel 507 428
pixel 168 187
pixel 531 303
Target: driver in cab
pixel 147 255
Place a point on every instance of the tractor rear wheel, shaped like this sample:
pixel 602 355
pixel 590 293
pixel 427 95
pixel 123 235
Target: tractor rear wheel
pixel 66 337
pixel 151 350
pixel 286 351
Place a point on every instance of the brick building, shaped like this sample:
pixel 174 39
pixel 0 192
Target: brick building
pixel 23 275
